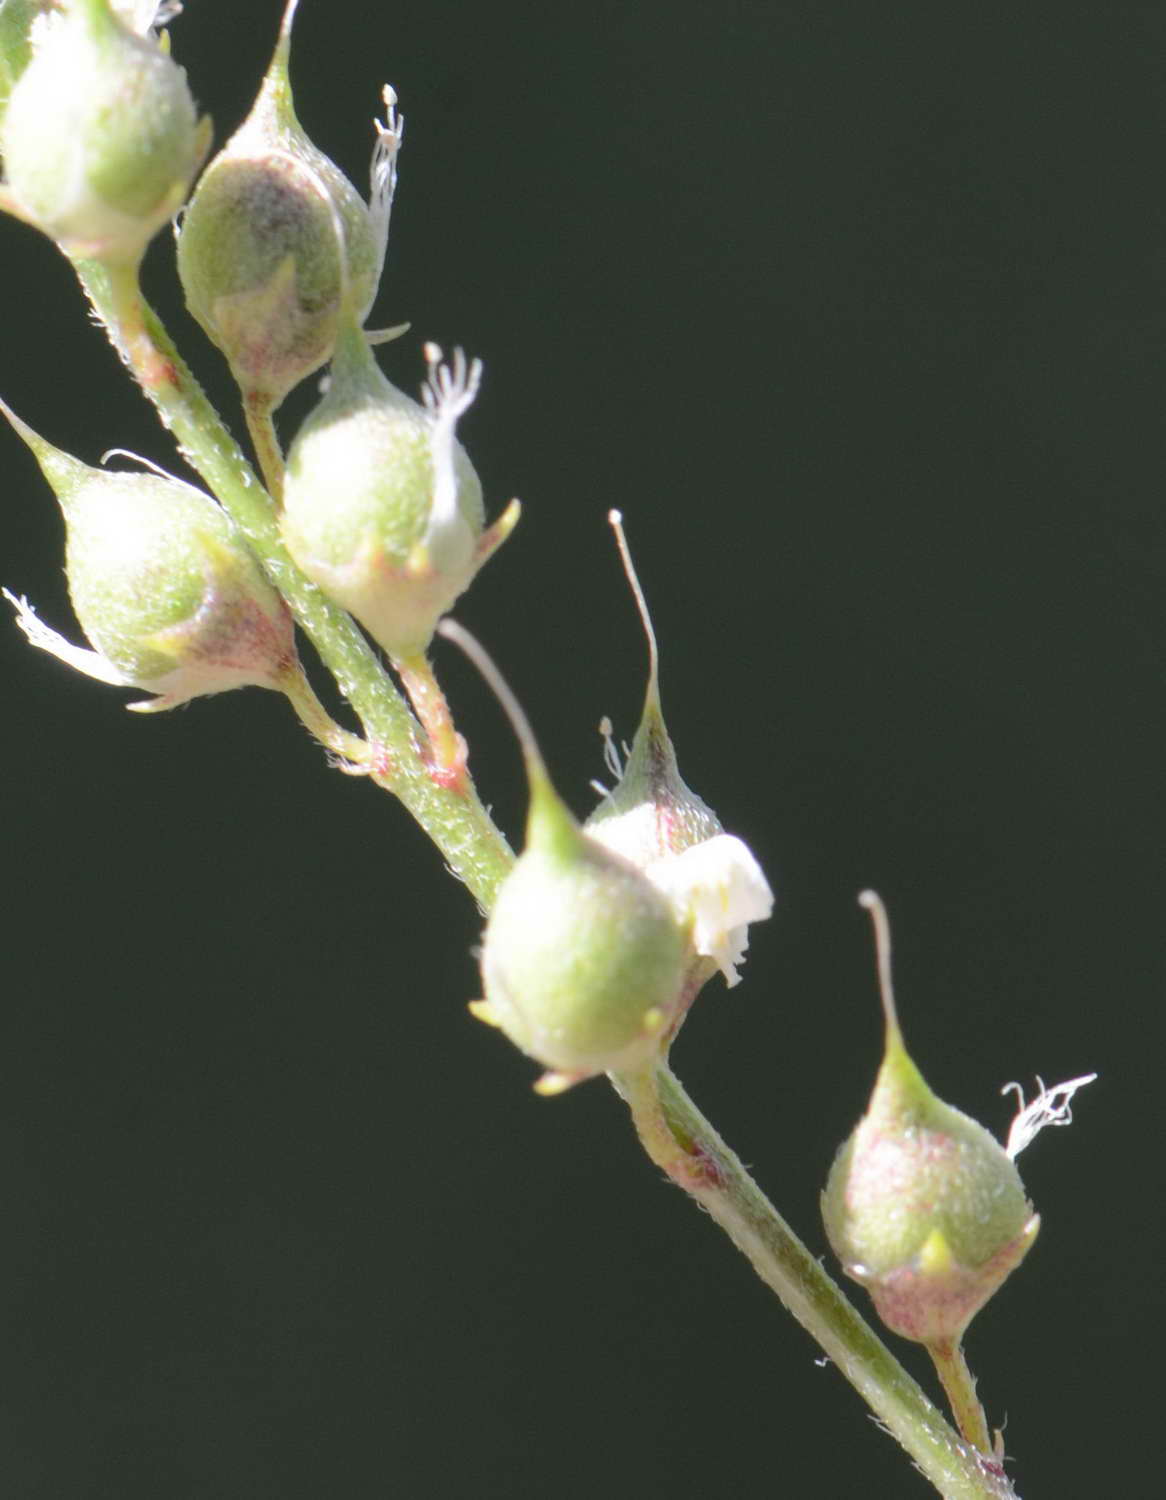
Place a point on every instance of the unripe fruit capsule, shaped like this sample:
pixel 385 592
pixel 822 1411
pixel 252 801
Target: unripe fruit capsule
pixel 382 507
pixel 162 584
pixel 583 960
pixel 100 139
pixel 258 254
pixel 923 1206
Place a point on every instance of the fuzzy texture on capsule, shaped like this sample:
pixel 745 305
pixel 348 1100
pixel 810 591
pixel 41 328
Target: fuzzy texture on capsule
pixel 258 255
pixel 583 960
pixel 382 507
pixel 100 137
pixel 922 1205
pixel 163 586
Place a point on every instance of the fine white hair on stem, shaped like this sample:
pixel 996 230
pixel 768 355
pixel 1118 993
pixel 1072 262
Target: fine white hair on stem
pixel 1050 1107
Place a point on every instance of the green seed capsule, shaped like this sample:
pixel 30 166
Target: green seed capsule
pixel 382 507
pixel 258 254
pixel 100 139
pixel 922 1205
pixel 163 586
pixel 583 959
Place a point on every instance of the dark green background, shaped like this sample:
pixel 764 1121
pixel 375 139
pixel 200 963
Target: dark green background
pixel 856 311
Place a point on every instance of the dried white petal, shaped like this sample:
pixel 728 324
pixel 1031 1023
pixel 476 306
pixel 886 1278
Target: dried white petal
pixel 1050 1107
pixel 447 395
pixel 382 179
pixel 92 663
pixel 720 888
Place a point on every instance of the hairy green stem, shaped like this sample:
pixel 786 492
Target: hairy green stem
pixel 960 1386
pixel 447 749
pixel 681 1141
pixel 453 817
pixel 260 418
pixel 355 753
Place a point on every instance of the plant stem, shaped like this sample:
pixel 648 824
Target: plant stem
pixel 952 1369
pixel 681 1141
pixel 455 820
pixel 355 752
pixel 447 749
pixel 259 416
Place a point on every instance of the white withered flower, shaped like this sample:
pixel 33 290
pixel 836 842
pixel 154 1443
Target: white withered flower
pixel 720 888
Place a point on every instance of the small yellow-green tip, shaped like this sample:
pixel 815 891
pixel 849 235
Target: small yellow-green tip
pixel 935 1257
pixel 552 1084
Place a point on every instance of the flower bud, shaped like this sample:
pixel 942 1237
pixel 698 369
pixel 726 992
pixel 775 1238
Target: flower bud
pixel 922 1205
pixel 162 584
pixel 382 507
pixel 653 819
pixel 583 960
pixel 257 252
pixel 100 139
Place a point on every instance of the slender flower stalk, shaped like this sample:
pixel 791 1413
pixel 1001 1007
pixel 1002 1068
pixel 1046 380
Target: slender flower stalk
pixel 959 1386
pixel 446 748
pixel 265 440
pixel 353 753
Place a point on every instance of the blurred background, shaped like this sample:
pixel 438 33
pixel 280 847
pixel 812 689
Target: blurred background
pixel 857 313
